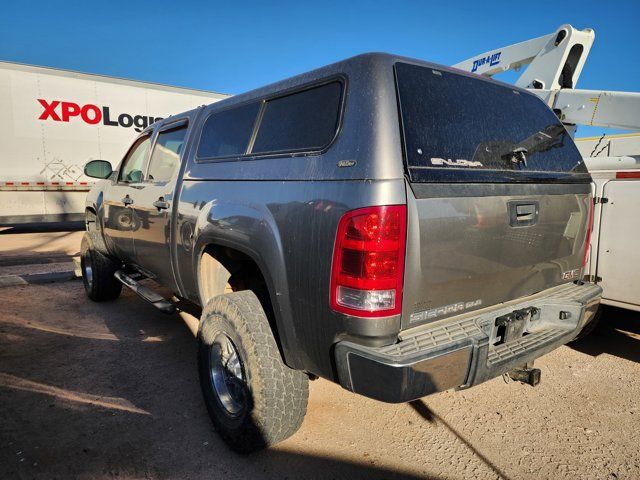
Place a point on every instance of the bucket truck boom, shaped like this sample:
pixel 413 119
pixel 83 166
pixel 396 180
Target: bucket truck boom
pixel 552 65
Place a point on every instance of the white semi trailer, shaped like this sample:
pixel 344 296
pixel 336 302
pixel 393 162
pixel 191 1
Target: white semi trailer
pixel 52 122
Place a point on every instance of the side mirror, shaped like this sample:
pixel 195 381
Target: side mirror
pixel 98 169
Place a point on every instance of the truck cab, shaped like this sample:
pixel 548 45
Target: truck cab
pixel 392 225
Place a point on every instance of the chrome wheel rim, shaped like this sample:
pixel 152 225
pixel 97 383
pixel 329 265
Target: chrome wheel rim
pixel 87 271
pixel 227 376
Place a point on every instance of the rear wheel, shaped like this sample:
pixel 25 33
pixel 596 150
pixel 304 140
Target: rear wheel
pixel 97 272
pixel 254 400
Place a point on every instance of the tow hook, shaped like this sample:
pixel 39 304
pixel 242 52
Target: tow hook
pixel 530 376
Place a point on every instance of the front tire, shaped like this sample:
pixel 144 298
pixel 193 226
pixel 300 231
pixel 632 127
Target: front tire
pixel 254 400
pixel 97 272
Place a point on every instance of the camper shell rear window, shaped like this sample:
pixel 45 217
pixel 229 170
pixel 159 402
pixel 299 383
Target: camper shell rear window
pixel 457 128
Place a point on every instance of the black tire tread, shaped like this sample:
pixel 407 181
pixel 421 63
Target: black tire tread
pixel 279 393
pixel 104 286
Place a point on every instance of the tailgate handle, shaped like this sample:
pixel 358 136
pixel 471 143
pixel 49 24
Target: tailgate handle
pixel 523 213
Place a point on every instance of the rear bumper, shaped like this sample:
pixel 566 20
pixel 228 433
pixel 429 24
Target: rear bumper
pixel 463 351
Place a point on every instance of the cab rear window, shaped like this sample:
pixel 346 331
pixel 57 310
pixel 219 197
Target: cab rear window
pixel 460 128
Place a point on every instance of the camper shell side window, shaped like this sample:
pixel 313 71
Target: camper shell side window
pixel 302 122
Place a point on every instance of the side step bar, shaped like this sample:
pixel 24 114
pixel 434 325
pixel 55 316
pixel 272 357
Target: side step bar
pixel 158 301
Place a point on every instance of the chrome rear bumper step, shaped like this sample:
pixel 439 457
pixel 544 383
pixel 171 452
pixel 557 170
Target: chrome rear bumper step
pixel 463 351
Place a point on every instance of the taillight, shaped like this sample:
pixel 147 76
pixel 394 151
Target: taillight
pixel 587 240
pixel 368 261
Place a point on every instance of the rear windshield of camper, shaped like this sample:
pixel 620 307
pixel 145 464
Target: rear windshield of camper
pixel 459 128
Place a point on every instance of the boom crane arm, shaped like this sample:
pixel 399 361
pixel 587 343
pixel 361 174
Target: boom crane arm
pixel 553 63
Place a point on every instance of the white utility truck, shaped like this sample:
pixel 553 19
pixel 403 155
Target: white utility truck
pixel 52 122
pixel 614 263
pixel 552 65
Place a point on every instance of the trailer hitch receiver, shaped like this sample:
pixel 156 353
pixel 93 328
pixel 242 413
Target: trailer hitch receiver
pixel 530 376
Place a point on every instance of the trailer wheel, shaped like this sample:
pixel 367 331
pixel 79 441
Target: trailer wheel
pixel 97 272
pixel 254 400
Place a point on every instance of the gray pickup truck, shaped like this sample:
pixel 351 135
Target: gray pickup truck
pixel 395 226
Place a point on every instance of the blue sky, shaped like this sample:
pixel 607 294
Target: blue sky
pixel 233 47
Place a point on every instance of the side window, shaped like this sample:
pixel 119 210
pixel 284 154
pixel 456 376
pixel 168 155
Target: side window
pixel 133 165
pixel 165 158
pixel 227 133
pixel 306 120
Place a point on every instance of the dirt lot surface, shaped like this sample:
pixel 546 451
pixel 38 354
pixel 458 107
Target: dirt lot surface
pixel 110 391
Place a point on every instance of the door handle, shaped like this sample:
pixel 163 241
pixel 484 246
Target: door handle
pixel 161 204
pixel 127 200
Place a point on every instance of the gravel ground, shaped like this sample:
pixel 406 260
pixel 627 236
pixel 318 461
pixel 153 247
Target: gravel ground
pixel 110 391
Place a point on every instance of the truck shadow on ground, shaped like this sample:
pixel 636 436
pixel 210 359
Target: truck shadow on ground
pixel 22 245
pixel 618 334
pixel 42 227
pixel 81 400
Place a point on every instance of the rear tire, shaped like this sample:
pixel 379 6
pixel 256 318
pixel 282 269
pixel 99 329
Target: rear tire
pixel 97 272
pixel 254 400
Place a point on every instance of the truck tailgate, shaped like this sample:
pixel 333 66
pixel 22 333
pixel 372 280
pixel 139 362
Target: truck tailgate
pixel 477 251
